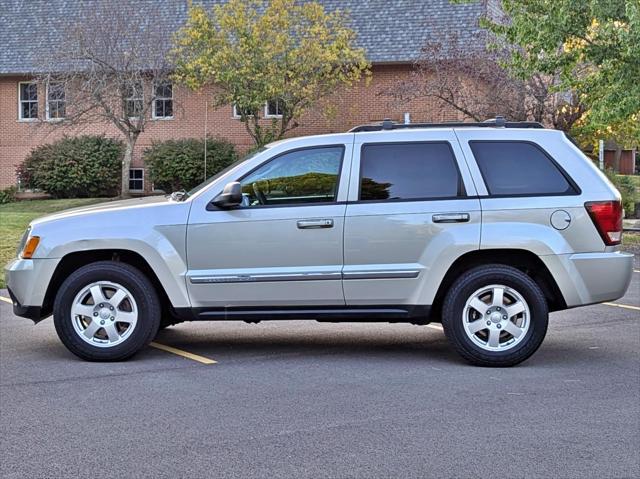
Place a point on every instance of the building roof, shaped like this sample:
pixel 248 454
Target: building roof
pixel 390 31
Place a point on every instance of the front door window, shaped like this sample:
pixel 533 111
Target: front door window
pixel 299 177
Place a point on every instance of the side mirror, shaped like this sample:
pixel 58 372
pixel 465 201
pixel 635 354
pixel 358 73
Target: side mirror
pixel 231 196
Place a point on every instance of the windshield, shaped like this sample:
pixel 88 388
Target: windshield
pixel 213 178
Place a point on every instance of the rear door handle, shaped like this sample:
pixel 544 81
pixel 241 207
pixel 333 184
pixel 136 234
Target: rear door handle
pixel 451 218
pixel 315 224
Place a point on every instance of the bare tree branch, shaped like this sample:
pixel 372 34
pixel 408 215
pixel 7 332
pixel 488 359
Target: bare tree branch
pixel 108 63
pixel 469 77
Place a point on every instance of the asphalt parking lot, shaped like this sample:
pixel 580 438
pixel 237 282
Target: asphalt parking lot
pixel 305 399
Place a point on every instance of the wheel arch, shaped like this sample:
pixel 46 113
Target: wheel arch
pixel 72 261
pixel 526 261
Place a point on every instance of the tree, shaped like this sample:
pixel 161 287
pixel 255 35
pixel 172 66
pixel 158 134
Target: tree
pixel 288 53
pixel 592 47
pixel 468 77
pixel 622 135
pixel 109 66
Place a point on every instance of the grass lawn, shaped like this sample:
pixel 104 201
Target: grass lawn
pixel 635 179
pixel 631 239
pixel 14 218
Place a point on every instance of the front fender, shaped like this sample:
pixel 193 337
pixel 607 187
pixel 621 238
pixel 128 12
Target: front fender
pixel 157 234
pixel 163 257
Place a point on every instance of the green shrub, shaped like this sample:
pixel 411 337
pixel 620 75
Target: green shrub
pixel 627 189
pixel 8 195
pixel 83 166
pixel 175 165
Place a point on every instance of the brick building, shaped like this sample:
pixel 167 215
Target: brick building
pixel 391 32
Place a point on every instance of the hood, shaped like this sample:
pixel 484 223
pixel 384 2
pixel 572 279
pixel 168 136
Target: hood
pixel 107 206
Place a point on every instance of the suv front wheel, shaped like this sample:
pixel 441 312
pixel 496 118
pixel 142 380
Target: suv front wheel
pixel 106 311
pixel 495 315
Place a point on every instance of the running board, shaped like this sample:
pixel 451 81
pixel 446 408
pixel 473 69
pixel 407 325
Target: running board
pixel 395 313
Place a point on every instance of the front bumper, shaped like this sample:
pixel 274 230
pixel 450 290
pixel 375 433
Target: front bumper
pixel 588 278
pixel 27 281
pixel 32 312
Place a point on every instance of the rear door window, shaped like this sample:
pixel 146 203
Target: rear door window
pixel 408 171
pixel 512 168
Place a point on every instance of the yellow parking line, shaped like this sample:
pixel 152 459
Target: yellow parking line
pixel 184 354
pixel 435 326
pixel 169 349
pixel 625 306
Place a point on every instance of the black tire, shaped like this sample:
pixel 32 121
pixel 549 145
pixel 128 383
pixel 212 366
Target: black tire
pixel 143 292
pixel 476 278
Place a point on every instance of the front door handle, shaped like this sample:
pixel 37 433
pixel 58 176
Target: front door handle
pixel 315 224
pixel 451 218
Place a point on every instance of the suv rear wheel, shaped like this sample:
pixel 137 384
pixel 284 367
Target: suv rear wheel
pixel 495 315
pixel 106 311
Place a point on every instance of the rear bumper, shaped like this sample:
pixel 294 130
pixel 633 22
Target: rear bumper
pixel 587 278
pixel 27 282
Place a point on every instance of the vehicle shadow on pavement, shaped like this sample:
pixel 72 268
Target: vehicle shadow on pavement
pixel 251 342
pixel 242 345
pixel 234 342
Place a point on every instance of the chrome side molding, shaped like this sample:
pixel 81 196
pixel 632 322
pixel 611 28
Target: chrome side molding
pixel 312 276
pixel 380 274
pixel 257 278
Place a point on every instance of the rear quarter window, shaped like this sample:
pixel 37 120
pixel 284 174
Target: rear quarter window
pixel 518 168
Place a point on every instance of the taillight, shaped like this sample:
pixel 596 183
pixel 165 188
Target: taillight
pixel 607 216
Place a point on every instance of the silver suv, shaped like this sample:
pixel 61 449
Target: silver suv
pixel 483 227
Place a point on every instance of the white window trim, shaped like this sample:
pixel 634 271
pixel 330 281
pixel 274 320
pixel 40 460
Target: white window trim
pixel 153 107
pixel 142 179
pixel 266 112
pixel 46 105
pixel 133 98
pixel 235 115
pixel 26 120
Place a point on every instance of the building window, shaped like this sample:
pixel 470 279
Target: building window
pixel 273 109
pixel 133 100
pixel 163 103
pixel 28 101
pixel 136 179
pixel 237 112
pixel 56 101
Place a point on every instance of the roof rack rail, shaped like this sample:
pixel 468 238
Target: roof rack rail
pixel 497 122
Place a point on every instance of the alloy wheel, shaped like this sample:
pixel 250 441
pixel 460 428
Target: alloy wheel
pixel 496 318
pixel 104 314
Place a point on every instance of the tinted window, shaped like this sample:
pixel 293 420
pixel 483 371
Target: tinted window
pixel 404 171
pixel 303 176
pixel 516 168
